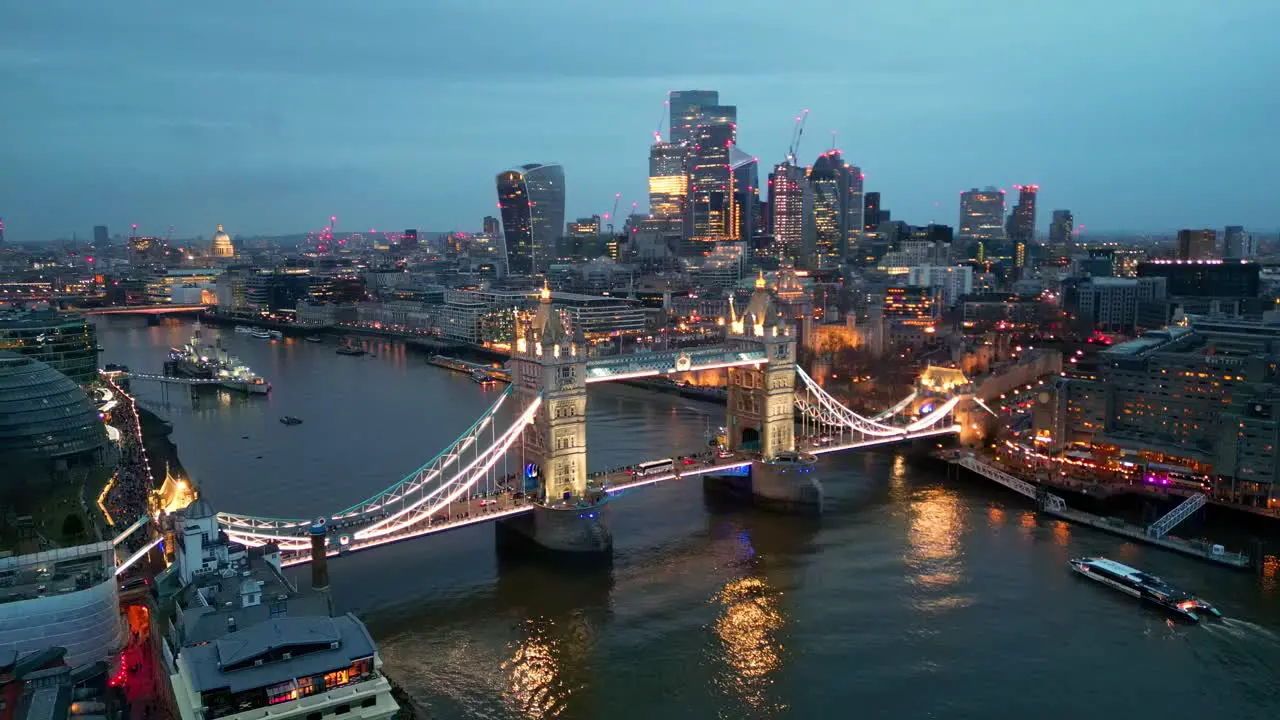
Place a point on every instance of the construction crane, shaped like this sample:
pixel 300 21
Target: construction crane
pixel 666 110
pixel 617 198
pixel 794 149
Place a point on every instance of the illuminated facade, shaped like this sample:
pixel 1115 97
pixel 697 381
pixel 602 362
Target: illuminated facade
pixel 760 397
pixel 531 199
pixel 911 305
pixel 1197 399
pixel 221 246
pixel 837 209
pixel 981 219
pixel 668 181
pixel 1022 223
pixel 710 205
pixel 787 189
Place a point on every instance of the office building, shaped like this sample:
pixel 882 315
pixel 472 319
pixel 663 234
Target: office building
pixel 871 212
pixel 1114 304
pixel 67 342
pixel 1022 221
pixel 64 597
pixel 951 282
pixel 100 237
pixel 1205 278
pixel 1238 244
pixel 829 178
pixel 668 181
pixel 409 239
pixel 917 306
pixel 686 109
pixel 531 199
pixel 1197 244
pixel 981 219
pixel 1060 228
pixel 1192 402
pixel 710 196
pixel 491 226
pixel 788 187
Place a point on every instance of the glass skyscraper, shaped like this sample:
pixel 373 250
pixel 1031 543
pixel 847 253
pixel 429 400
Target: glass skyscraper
pixel 787 186
pixel 837 209
pixel 531 199
pixel 686 107
pixel 668 181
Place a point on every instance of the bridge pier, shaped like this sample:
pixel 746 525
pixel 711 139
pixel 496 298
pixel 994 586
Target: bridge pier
pixel 786 484
pixel 574 534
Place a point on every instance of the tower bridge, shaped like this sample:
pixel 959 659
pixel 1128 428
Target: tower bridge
pixel 523 463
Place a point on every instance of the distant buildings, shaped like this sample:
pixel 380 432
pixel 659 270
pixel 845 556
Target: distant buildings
pixel 837 209
pixel 531 199
pixel 1197 244
pixel 100 237
pixel 1060 228
pixel 1117 304
pixel 1022 223
pixel 871 212
pixel 981 219
pixel 221 246
pixel 787 189
pixel 686 108
pixel 1238 244
pixel 668 182
pixel 709 207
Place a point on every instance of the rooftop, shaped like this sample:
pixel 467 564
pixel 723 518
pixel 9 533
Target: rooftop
pixel 322 644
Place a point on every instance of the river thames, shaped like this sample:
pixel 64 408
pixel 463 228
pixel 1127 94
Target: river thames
pixel 914 596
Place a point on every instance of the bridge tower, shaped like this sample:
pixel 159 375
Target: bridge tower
pixel 548 363
pixel 761 412
pixel 761 398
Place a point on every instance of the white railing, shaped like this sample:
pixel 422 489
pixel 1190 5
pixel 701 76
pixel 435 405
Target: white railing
pixel 1161 527
pixel 1017 484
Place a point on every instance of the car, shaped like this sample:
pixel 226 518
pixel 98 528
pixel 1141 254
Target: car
pixel 724 454
pixel 690 461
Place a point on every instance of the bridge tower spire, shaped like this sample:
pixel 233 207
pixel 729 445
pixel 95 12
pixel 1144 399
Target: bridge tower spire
pixel 549 365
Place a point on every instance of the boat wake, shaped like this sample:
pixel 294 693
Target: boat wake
pixel 1244 630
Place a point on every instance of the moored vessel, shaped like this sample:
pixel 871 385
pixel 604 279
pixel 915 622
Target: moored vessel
pixel 260 333
pixel 1144 586
pixel 243 329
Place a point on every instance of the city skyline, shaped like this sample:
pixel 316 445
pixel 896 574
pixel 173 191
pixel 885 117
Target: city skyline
pixel 284 132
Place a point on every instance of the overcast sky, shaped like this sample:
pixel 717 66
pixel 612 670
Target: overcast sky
pixel 271 116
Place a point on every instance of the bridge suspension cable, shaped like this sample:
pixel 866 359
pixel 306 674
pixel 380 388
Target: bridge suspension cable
pixel 819 406
pixel 410 492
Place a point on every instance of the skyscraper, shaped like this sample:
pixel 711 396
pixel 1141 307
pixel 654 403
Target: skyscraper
pixel 531 199
pixel 1060 228
pixel 668 181
pixel 746 195
pixel 787 184
pixel 871 212
pixel 981 218
pixel 100 237
pixel 1238 244
pixel 687 114
pixel 837 205
pixel 1022 227
pixel 1197 244
pixel 710 195
pixel 490 226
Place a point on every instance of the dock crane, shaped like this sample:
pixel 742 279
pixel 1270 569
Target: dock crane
pixel 796 135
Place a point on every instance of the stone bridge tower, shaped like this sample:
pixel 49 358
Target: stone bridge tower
pixel 569 513
pixel 761 398
pixel 549 363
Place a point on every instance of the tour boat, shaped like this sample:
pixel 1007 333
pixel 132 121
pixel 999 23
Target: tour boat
pixel 244 329
pixel 260 333
pixel 275 334
pixel 482 377
pixel 313 339
pixel 1132 581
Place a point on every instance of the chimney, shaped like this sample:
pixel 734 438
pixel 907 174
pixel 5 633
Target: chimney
pixel 319 561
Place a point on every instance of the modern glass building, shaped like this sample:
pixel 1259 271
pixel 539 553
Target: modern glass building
pixel 837 208
pixel 787 189
pixel 686 108
pixel 531 199
pixel 668 182
pixel 44 415
pixel 710 189
pixel 68 342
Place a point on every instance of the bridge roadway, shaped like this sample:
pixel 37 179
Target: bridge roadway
pixel 142 309
pixel 485 508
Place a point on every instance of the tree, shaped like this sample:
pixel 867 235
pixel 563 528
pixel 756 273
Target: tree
pixel 72 526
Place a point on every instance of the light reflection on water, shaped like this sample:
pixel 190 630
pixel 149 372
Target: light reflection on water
pixel 751 652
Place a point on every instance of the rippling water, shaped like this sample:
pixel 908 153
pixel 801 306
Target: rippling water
pixel 912 597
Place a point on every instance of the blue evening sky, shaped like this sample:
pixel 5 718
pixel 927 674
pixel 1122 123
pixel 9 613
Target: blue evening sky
pixel 272 116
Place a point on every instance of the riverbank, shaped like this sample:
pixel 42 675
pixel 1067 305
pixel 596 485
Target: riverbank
pixel 162 452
